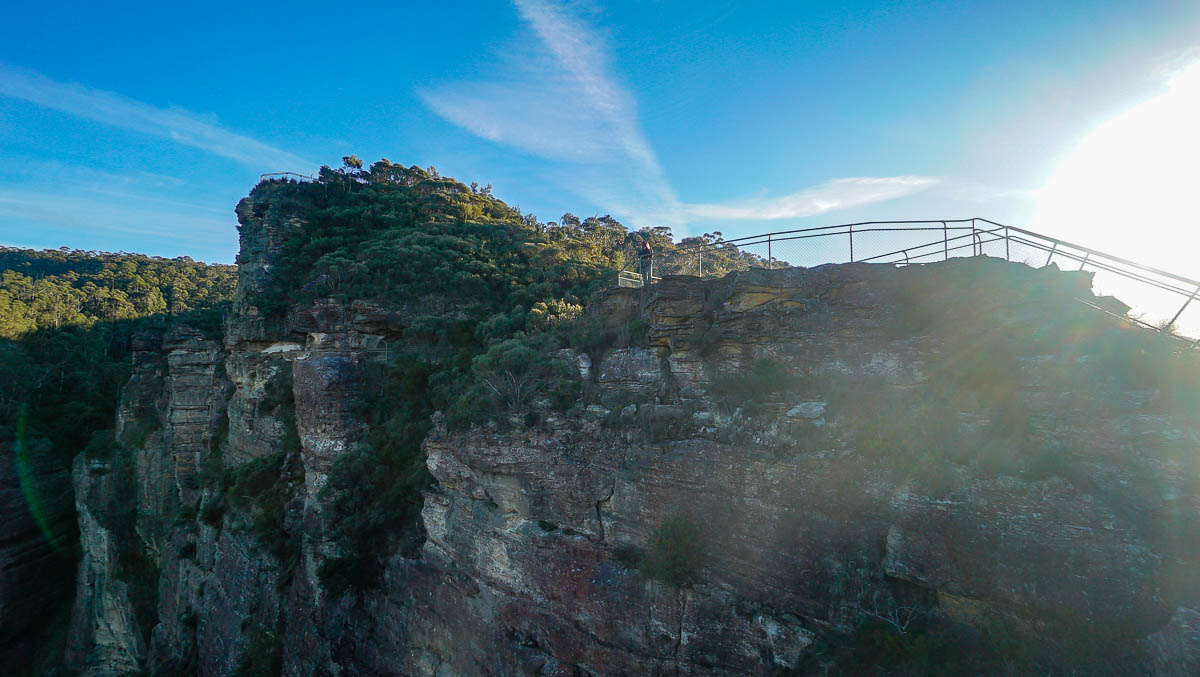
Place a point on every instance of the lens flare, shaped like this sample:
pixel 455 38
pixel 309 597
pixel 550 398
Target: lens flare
pixel 1130 188
pixel 27 479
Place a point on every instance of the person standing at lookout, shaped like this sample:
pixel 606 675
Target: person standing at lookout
pixel 645 261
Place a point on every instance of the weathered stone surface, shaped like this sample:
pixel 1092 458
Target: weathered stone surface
pixel 635 370
pixel 1175 650
pixel 105 635
pixel 812 410
pixel 796 541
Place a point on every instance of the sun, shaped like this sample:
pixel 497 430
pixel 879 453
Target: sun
pixel 1132 185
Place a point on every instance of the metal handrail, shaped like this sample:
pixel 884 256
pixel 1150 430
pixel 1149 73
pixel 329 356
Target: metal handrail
pixel 1148 269
pixel 957 235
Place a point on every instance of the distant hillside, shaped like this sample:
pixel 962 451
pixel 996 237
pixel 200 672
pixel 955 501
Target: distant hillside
pixel 56 288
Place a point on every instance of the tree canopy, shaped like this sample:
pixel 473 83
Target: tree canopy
pixel 54 289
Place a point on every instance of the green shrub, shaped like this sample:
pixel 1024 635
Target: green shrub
pixel 187 551
pixel 373 497
pixel 657 425
pixel 102 444
pixel 927 647
pixel 545 314
pixel 629 555
pixel 934 645
pixel 188 619
pixel 141 575
pixel 595 335
pixel 187 515
pixel 513 373
pixel 635 332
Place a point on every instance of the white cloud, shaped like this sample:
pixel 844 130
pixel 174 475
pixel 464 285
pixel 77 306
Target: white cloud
pixel 180 126
pixel 563 103
pixel 832 196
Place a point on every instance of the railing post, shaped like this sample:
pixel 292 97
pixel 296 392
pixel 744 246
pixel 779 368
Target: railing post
pixel 700 255
pixel 1006 241
pixel 1185 305
pixel 1052 250
pixel 770 259
pixel 945 242
pixel 851 244
pixel 1086 256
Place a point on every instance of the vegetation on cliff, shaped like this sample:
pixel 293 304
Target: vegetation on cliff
pixel 472 304
pixel 370 234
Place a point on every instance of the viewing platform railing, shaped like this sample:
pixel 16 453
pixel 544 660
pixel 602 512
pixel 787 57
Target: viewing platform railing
pixel 285 176
pixel 1161 300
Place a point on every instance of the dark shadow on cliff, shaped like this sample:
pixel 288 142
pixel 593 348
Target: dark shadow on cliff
pixel 59 391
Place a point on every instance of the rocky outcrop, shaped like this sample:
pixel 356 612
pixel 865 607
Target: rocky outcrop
pixel 785 456
pixel 106 635
pixel 131 496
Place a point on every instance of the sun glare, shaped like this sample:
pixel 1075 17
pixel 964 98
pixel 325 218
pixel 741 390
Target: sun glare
pixel 1130 187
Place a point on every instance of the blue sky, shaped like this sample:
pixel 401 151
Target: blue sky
pixel 139 127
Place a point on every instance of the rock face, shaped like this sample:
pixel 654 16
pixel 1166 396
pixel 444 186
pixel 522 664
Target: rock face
pixel 805 522
pixel 788 454
pixel 130 501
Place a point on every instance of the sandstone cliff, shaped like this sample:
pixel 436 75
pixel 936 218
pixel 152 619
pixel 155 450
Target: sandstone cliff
pixel 767 474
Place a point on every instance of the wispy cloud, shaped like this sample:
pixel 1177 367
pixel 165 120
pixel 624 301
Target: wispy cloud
pixel 832 196
pixel 109 108
pixel 99 215
pixel 563 103
pixel 50 204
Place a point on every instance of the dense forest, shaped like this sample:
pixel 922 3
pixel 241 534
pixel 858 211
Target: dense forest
pixel 66 320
